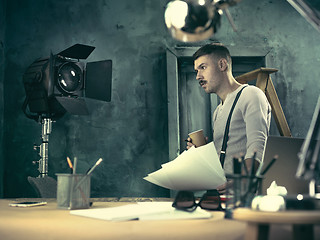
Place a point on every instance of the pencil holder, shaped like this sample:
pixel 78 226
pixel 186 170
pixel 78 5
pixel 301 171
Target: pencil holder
pixel 73 191
pixel 241 191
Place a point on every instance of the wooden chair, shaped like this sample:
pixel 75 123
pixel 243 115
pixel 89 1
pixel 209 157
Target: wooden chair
pixel 265 83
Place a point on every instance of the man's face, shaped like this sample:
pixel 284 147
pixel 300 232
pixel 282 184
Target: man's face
pixel 207 73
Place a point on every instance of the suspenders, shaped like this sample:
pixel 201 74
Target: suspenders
pixel 226 131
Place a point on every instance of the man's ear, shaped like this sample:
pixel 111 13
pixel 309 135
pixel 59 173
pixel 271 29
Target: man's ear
pixel 223 64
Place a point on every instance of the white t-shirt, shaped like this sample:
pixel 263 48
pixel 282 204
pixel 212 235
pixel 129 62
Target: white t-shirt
pixel 249 125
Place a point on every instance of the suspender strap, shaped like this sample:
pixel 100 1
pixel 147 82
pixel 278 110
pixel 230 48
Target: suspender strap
pixel 226 131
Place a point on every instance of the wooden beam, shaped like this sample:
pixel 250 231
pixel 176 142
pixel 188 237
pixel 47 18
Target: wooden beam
pixel 249 76
pixel 265 83
pixel 277 111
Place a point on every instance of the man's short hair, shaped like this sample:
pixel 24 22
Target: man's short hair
pixel 218 50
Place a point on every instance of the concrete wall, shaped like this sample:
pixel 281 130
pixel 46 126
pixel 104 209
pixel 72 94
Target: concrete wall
pixel 2 63
pixel 130 132
pixel 292 46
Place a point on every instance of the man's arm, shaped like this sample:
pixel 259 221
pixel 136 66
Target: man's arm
pixel 257 116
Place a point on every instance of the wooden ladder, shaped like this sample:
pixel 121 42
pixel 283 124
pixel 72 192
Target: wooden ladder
pixel 265 83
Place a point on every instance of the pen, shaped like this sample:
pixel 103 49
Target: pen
pixel 237 180
pixel 90 170
pixel 252 175
pixel 244 165
pixel 74 165
pixel 236 166
pixel 252 164
pixel 251 184
pixel 269 165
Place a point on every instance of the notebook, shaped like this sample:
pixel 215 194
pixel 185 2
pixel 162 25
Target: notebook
pixel 283 171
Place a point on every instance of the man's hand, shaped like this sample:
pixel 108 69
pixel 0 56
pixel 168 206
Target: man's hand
pixel 223 188
pixel 190 144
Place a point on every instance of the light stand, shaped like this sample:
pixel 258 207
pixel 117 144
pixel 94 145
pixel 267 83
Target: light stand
pixel 44 185
pixel 43 147
pixel 309 166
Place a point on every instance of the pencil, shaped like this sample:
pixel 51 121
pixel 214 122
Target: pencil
pixel 70 164
pixel 269 165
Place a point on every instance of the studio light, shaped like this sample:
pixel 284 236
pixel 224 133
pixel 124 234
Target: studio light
pixel 61 83
pixel 195 20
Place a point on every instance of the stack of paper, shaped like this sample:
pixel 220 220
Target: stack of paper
pixel 142 211
pixel 195 169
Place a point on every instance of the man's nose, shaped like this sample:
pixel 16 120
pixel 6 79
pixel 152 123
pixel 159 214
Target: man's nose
pixel 198 75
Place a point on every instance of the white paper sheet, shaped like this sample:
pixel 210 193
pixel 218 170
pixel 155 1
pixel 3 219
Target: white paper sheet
pixel 159 178
pixel 141 211
pixel 196 169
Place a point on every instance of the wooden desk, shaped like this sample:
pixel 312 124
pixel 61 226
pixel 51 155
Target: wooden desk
pixel 258 222
pixel 48 222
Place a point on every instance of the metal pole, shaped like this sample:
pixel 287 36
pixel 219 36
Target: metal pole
pixel 43 162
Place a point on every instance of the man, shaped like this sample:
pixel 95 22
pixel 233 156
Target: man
pixel 250 119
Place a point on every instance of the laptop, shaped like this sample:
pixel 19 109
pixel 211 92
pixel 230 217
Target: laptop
pixel 283 171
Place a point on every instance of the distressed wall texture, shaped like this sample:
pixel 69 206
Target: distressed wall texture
pixel 293 49
pixel 2 61
pixel 130 132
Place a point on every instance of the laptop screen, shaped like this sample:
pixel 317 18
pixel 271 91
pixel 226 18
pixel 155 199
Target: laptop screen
pixel 283 171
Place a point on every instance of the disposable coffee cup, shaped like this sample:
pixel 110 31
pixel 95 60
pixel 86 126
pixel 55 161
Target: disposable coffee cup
pixel 73 191
pixel 197 138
